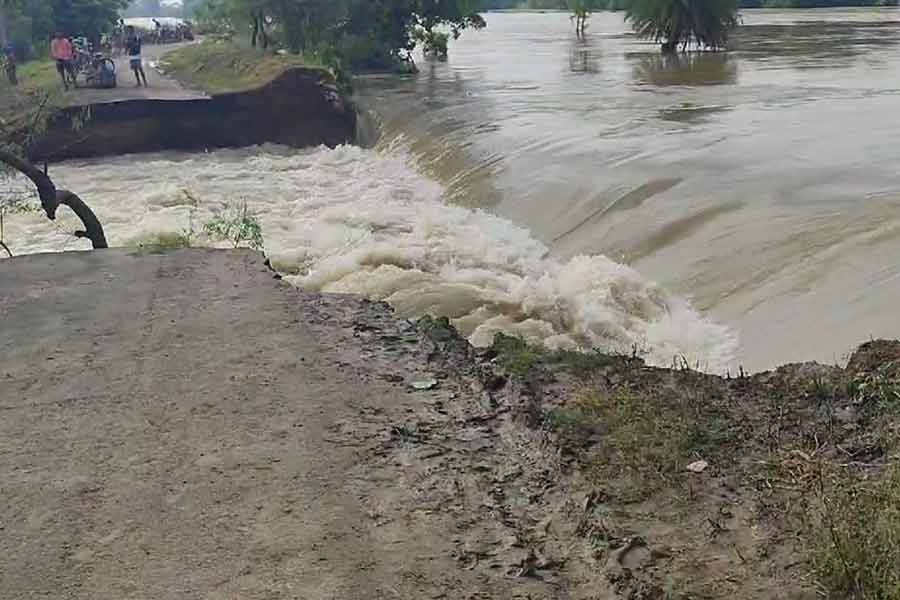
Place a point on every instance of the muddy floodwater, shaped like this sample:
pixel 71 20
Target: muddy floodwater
pixel 762 184
pixel 737 208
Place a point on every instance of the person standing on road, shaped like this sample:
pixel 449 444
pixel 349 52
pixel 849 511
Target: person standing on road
pixel 133 48
pixel 63 53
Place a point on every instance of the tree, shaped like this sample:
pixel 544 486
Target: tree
pixel 52 198
pixel 13 158
pixel 365 34
pixel 581 12
pixel 679 23
pixel 31 23
pixel 89 18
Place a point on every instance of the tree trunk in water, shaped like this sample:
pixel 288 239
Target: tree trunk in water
pixel 52 199
pixel 255 33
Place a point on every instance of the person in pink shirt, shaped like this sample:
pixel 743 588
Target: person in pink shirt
pixel 63 52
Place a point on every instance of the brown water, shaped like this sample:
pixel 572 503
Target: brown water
pixel 762 184
pixel 575 193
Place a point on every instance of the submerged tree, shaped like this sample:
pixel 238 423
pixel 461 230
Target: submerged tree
pixel 581 12
pixel 678 23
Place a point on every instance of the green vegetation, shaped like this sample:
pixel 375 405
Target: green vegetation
pixel 24 110
pixel 622 4
pixel 236 225
pixel 581 11
pixel 517 356
pixel 218 66
pixel 523 359
pixel 31 23
pixel 361 35
pixel 856 543
pixel 675 24
pixel 644 445
pixel 434 43
pixel 38 85
pixel 807 456
pixel 165 241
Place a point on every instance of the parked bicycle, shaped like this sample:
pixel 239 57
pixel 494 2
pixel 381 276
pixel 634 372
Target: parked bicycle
pixel 100 72
pixel 94 69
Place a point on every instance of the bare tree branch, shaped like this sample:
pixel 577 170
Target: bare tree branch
pixel 52 198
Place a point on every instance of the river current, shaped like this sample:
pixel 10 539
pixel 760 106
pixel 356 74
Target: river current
pixel 727 209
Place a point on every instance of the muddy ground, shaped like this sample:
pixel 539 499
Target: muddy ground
pixel 182 424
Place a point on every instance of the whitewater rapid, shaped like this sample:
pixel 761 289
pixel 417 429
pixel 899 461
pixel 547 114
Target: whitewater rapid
pixel 351 220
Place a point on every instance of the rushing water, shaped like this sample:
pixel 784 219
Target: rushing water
pixel 759 188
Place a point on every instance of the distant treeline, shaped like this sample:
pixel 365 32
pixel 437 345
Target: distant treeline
pixel 620 4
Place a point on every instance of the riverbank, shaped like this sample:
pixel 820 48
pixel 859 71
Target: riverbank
pixel 327 448
pixel 218 67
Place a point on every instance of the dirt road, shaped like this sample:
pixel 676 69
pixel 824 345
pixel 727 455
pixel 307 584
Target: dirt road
pixel 160 86
pixel 183 425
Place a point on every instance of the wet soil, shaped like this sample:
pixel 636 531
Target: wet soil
pixel 183 424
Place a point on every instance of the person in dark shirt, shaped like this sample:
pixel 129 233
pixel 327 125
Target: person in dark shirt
pixel 133 48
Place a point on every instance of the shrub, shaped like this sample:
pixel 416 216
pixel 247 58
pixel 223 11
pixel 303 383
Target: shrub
pixel 434 43
pixel 236 225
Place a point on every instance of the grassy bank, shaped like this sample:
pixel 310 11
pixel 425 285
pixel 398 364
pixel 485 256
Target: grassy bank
pixel 219 67
pixel 38 81
pixel 780 485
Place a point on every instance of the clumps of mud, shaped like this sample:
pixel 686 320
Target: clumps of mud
pixel 565 474
pixel 788 494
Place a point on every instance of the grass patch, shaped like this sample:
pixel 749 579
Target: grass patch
pixel 520 358
pixel 220 66
pixel 164 241
pixel 856 546
pixel 516 356
pixel 632 445
pixel 37 79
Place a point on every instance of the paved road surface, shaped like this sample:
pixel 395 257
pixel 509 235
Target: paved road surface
pixel 161 87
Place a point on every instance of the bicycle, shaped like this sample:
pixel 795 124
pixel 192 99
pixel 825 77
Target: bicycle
pixel 100 72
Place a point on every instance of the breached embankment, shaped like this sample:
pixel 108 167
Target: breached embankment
pixel 301 107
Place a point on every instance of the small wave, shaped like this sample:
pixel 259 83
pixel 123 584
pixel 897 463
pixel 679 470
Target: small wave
pixel 358 221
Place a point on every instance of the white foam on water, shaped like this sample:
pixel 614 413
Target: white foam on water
pixel 359 221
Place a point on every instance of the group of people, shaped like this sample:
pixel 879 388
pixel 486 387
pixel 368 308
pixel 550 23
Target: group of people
pixel 181 31
pixel 63 51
